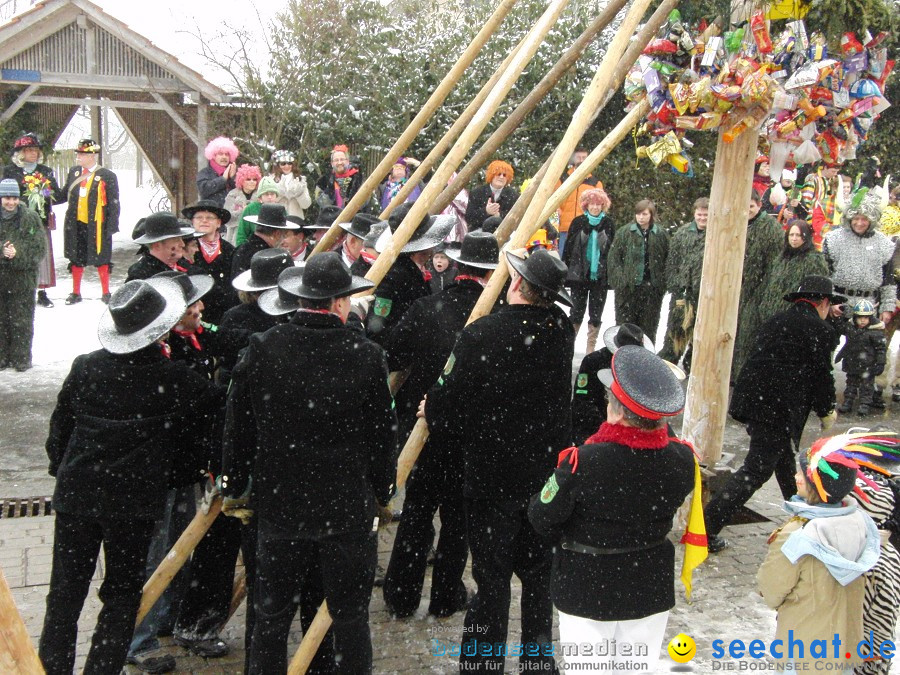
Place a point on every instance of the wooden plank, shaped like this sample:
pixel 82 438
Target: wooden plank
pixel 97 102
pixel 123 83
pixel 178 119
pixel 19 102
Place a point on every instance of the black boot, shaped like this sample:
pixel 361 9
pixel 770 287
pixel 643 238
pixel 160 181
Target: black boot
pixel 73 298
pixel 43 300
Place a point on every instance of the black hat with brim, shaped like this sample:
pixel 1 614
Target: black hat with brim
pixel 430 232
pixel 209 206
pixel 325 276
pixel 272 215
pixel 278 301
pixel 360 226
pixel 193 286
pixel 478 249
pixel 326 218
pixel 643 383
pixel 265 268
pixel 161 226
pixel 626 334
pixel 543 270
pixel 816 287
pixel 139 313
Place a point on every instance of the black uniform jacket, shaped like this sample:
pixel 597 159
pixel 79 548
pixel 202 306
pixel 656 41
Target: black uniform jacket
pixel 401 287
pixel 589 399
pixel 243 254
pixel 620 491
pixel 423 340
pixel 123 426
pixel 788 372
pixel 504 400
pixel 310 416
pixel 110 215
pixel 478 199
pixel 145 267
pixel 250 317
pixel 222 297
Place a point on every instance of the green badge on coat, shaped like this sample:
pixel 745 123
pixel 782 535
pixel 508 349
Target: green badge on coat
pixel 383 306
pixel 550 490
pixel 582 380
pixel 451 361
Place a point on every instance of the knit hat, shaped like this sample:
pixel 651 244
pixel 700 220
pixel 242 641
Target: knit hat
pixel 866 204
pixel 9 188
pixel 833 464
pixel 499 166
pixel 268 184
pixel 280 156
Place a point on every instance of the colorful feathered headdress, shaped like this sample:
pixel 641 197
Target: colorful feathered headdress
pixel 833 464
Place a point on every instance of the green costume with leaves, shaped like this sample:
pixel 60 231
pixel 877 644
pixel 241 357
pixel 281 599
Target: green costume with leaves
pixel 785 277
pixel 765 239
pixel 684 268
pixel 638 276
pixel 18 283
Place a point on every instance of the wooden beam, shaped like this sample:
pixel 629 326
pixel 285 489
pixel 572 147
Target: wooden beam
pixel 202 130
pixel 116 82
pixel 97 102
pixel 178 119
pixel 32 27
pixel 18 103
pixel 17 653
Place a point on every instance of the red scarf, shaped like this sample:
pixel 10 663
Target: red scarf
pixel 218 168
pixel 296 255
pixel 477 280
pixel 368 257
pixel 191 336
pixel 211 251
pixel 634 438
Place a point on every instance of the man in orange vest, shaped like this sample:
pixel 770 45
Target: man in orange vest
pixel 571 208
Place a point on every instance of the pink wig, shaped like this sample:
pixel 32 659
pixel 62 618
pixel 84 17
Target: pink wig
pixel 595 196
pixel 221 144
pixel 247 172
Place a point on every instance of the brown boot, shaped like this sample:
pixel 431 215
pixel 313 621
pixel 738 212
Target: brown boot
pixel 593 333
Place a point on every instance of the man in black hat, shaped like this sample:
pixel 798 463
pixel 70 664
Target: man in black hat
pixel 407 280
pixel 92 217
pixel 503 404
pixel 787 374
pixel 368 255
pixel 297 242
pixel 609 508
pixel 326 218
pixel 265 267
pixel 214 257
pixel 116 444
pixel 320 449
pixel 589 400
pixel 420 344
pixel 162 237
pixel 356 231
pixel 271 224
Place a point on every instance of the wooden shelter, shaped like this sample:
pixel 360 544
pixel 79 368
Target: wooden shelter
pixel 64 54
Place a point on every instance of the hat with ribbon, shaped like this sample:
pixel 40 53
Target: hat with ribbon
pixel 265 266
pixel 542 270
pixel 161 226
pixel 816 287
pixel 478 249
pixel 643 383
pixel 87 146
pixel 193 286
pixel 29 140
pixel 139 313
pixel 272 215
pixel 209 206
pixel 279 301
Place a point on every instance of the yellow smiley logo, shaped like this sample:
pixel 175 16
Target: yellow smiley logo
pixel 682 648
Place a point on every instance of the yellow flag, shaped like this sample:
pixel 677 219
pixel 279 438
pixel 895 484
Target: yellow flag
pixel 694 539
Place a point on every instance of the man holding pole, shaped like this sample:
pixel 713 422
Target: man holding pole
pixel 320 450
pixel 503 400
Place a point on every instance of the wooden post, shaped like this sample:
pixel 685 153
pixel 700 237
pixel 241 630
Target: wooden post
pixel 176 558
pixel 17 653
pixel 431 105
pixel 720 290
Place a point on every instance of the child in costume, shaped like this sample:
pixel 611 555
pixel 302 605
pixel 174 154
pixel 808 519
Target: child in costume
pixel 813 574
pixel 862 356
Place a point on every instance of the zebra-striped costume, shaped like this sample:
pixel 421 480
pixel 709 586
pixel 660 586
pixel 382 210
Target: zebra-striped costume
pixel 882 599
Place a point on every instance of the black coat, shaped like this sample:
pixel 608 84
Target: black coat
pixel 222 297
pixel 250 317
pixel 788 372
pixel 211 185
pixel 110 216
pixel 575 252
pixel 865 350
pixel 589 400
pixel 57 196
pixel 478 200
pixel 311 418
pixel 123 427
pixel 400 288
pixel 326 185
pixel 615 496
pixel 442 280
pixel 145 267
pixel 423 340
pixel 504 399
pixel 216 345
pixel 360 267
pixel 243 254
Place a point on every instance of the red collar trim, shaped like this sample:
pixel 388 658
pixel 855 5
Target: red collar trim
pixel 478 280
pixel 191 336
pixel 637 439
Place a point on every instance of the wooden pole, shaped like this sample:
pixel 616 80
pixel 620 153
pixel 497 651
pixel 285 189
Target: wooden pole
pixel 176 558
pixel 450 135
pixel 17 653
pixel 420 207
pixel 706 408
pixel 431 105
pixel 311 641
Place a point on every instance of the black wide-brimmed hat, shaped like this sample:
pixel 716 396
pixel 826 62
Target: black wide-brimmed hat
pixel 299 222
pixel 643 383
pixel 479 249
pixel 278 301
pixel 490 224
pixel 326 276
pixel 371 239
pixel 816 287
pixel 161 226
pixel 543 270
pixel 430 231
pixel 139 313
pixel 626 334
pixel 193 286
pixel 272 215
pixel 326 218
pixel 360 226
pixel 265 266
pixel 206 205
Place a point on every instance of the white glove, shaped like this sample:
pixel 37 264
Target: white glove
pixel 360 306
